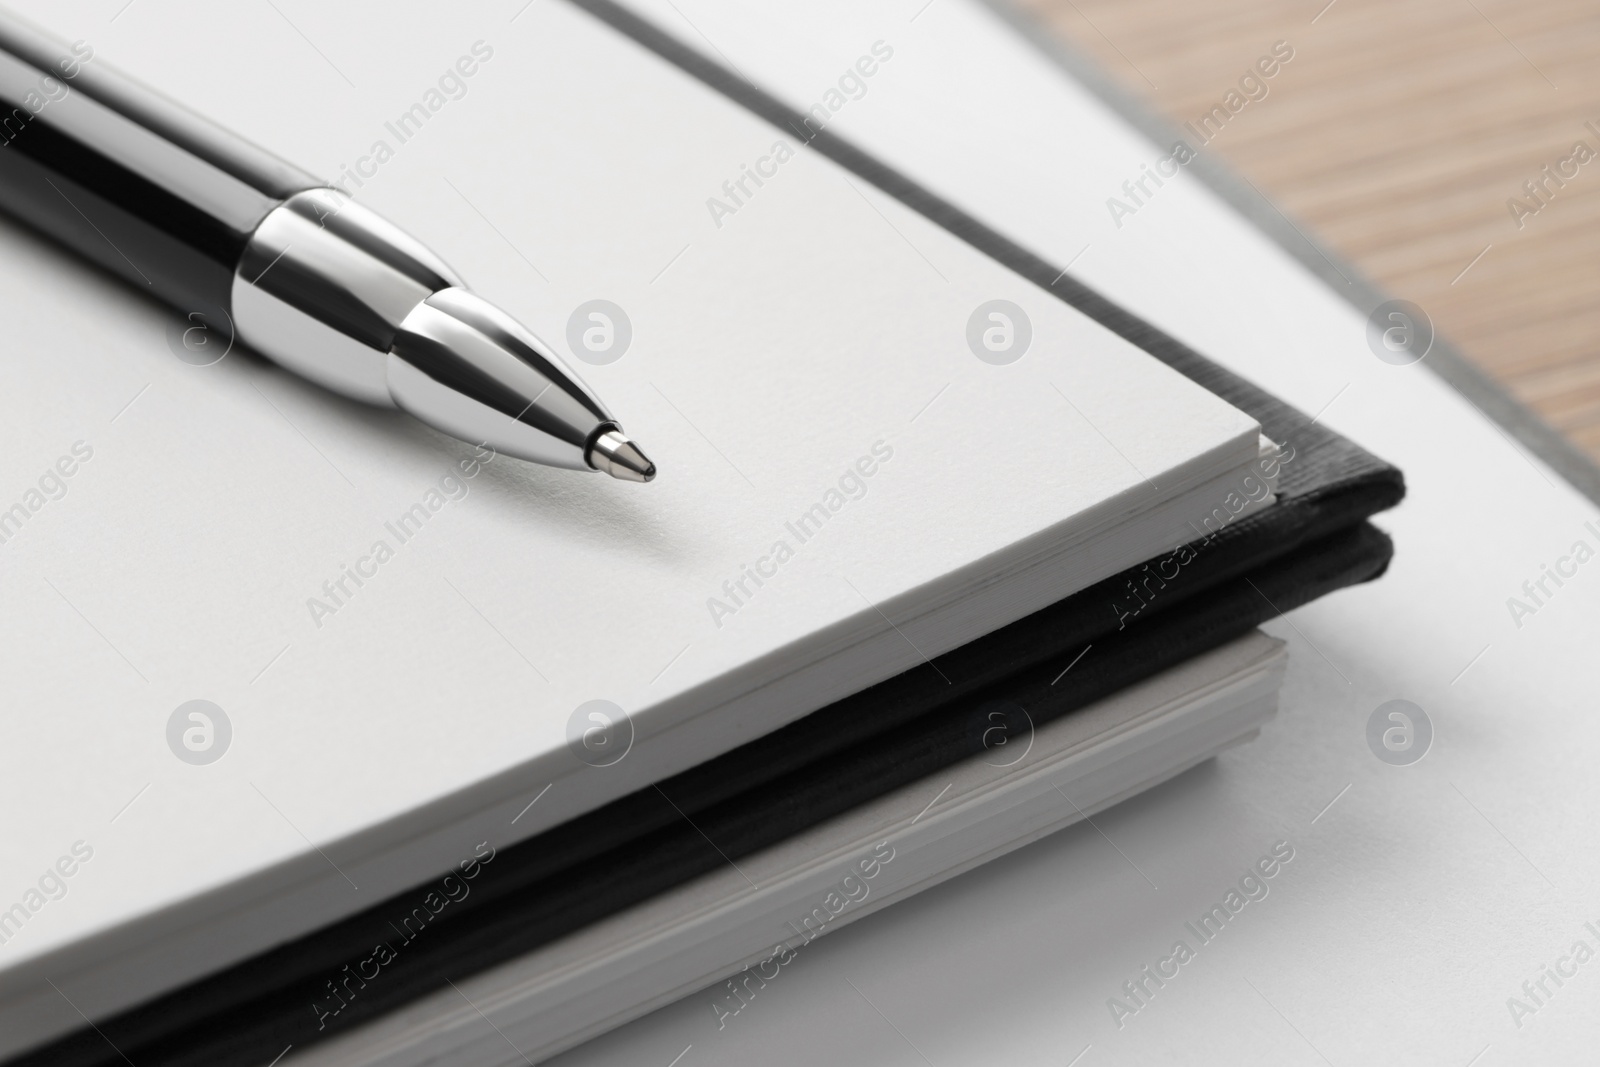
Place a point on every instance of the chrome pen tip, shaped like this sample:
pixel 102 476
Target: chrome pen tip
pixel 619 457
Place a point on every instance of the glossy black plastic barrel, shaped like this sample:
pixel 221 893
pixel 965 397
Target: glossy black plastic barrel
pixel 140 185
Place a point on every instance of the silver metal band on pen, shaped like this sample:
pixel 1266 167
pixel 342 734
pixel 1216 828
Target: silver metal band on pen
pixel 346 299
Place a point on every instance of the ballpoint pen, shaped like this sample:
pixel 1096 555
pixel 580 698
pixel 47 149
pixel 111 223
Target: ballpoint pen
pixel 237 239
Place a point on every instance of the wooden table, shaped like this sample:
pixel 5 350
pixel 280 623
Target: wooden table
pixel 1401 133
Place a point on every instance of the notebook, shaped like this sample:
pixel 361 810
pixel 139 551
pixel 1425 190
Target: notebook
pixel 679 838
pixel 820 371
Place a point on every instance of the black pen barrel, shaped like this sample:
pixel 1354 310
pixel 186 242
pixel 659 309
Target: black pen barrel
pixel 296 270
pixel 140 185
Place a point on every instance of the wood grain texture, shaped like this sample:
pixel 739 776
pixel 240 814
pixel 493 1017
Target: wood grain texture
pixel 1399 134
